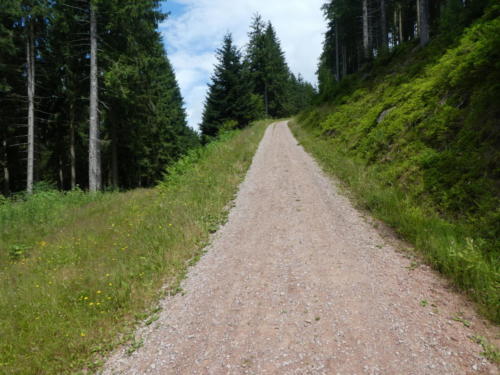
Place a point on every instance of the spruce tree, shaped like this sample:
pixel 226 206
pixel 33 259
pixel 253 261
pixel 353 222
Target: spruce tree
pixel 229 96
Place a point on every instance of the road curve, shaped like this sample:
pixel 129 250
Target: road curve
pixel 299 282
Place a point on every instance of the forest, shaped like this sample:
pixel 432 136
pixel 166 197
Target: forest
pixel 363 30
pixel 89 98
pixel 256 85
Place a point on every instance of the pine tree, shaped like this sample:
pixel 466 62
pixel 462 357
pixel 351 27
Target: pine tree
pixel 142 121
pixel 229 97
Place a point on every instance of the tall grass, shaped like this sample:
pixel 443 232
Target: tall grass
pixel 95 265
pixel 445 245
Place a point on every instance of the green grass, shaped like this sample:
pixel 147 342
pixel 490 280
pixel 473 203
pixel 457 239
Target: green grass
pixel 415 137
pixel 78 271
pixel 446 245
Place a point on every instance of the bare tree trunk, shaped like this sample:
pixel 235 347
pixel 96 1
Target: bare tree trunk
pixel 344 61
pixel 72 153
pixel 418 17
pixel 366 36
pixel 5 164
pixel 401 38
pixel 423 16
pixel 30 70
pixel 94 143
pixel 337 52
pixel 383 25
pixel 61 174
pixel 395 31
pixel 114 157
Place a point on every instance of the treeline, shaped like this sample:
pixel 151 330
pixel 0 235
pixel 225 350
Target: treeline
pixel 360 30
pixel 87 95
pixel 252 85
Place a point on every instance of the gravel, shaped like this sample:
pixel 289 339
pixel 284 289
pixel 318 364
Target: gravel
pixel 299 282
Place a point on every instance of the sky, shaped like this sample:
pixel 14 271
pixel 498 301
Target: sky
pixel 195 28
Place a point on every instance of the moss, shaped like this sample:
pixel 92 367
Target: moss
pixel 426 120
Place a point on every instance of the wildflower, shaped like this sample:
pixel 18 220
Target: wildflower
pixel 43 243
pixel 99 292
pixel 91 303
pixel 110 284
pixel 107 275
pixel 82 334
pixel 85 298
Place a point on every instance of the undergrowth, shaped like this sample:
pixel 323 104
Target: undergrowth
pixel 418 141
pixel 78 271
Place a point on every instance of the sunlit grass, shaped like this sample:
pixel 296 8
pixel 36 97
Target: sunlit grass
pixel 89 267
pixel 445 245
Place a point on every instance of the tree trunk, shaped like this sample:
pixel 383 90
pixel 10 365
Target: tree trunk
pixel 266 99
pixel 418 17
pixel 337 52
pixel 383 25
pixel 30 70
pixel 72 153
pixel 423 16
pixel 5 163
pixel 366 36
pixel 401 38
pixel 114 157
pixel 94 143
pixel 344 61
pixel 395 31
pixel 61 174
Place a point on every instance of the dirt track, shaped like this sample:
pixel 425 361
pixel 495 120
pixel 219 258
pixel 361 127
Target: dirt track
pixel 298 282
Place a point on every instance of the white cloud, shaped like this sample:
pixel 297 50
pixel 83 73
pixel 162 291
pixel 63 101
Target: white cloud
pixel 193 36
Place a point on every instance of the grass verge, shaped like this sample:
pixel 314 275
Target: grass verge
pixel 91 267
pixel 445 245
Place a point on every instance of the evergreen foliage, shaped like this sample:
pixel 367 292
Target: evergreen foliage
pixel 390 23
pixel 143 122
pixel 256 86
pixel 229 96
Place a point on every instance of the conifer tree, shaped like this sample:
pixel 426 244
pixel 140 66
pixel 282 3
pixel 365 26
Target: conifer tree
pixel 229 97
pixel 142 120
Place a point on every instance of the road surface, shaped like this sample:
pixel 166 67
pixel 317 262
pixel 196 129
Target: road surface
pixel 299 282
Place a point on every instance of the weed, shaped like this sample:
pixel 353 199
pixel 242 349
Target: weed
pixel 444 244
pixel 136 344
pixel 490 351
pixel 459 318
pixel 97 262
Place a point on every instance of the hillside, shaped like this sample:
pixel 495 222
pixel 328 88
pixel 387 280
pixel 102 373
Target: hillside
pixel 416 135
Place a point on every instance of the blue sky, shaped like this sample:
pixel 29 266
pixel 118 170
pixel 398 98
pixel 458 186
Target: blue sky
pixel 195 29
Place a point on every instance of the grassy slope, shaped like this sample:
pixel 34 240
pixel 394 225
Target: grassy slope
pixel 74 281
pixel 418 141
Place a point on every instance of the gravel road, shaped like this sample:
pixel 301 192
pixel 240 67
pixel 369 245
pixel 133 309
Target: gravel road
pixel 299 282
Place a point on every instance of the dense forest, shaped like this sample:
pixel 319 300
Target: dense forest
pixel 362 30
pixel 88 96
pixel 256 85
